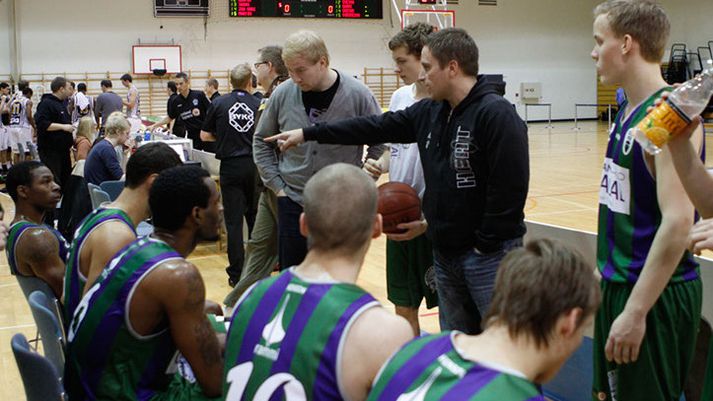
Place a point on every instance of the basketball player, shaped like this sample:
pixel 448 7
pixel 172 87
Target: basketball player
pixel 311 333
pixel 34 249
pixel 108 229
pixel 315 94
pixel 473 149
pixel 21 125
pixel 230 123
pixel 156 303
pixel 261 250
pixel 132 103
pixel 645 331
pixel 5 142
pixel 83 104
pixel 545 297
pixel 409 257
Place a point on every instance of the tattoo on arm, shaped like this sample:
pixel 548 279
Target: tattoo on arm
pixel 207 343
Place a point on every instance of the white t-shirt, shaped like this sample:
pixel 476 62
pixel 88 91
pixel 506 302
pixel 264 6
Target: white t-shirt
pixel 133 112
pixel 405 165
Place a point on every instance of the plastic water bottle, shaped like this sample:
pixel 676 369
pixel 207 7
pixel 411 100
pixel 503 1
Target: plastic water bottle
pixel 147 135
pixel 673 115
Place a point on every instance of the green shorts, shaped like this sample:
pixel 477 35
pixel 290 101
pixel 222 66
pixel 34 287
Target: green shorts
pixel 180 389
pixel 409 273
pixel 666 352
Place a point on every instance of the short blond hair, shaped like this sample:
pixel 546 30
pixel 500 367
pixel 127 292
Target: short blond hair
pixel 240 75
pixel 116 124
pixel 644 20
pixel 87 128
pixel 306 44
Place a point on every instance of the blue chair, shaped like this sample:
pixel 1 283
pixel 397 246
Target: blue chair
pixel 50 328
pixel 39 377
pixel 28 285
pixel 113 188
pixel 97 196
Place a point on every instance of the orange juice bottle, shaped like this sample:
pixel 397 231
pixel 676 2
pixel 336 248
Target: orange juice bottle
pixel 675 113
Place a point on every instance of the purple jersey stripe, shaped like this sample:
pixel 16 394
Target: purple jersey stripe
pixel 645 215
pixel 262 315
pixel 304 312
pixel 114 318
pixel 476 378
pixel 325 384
pixel 415 367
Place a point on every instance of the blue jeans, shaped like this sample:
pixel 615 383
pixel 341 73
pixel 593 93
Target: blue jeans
pixel 465 285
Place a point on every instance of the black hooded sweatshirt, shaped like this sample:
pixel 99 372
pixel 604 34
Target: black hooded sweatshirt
pixel 52 110
pixel 475 163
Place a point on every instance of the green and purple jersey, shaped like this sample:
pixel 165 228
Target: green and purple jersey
pixel 106 357
pixel 286 339
pixel 74 280
pixel 629 212
pixel 16 232
pixel 431 368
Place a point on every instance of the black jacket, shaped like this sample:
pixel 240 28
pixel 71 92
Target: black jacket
pixel 475 163
pixel 52 110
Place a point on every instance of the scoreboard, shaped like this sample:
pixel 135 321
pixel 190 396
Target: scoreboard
pixel 355 9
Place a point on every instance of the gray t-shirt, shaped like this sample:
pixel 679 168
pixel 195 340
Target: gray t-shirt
pixel 105 104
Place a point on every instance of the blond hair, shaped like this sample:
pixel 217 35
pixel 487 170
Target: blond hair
pixel 116 124
pixel 240 75
pixel 87 128
pixel 645 21
pixel 306 44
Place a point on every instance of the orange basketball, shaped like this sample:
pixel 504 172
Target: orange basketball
pixel 398 203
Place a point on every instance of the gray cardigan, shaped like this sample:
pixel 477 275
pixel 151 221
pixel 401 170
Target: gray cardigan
pixel 285 111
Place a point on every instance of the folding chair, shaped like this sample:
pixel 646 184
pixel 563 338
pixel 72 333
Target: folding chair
pixel 50 328
pixel 41 380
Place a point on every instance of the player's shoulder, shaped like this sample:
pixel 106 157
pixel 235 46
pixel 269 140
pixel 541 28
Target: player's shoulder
pixel 379 326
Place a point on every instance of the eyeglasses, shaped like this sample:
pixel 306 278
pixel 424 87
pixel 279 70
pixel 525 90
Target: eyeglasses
pixel 256 65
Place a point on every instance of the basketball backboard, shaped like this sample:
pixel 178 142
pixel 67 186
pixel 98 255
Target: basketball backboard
pixel 441 19
pixel 147 58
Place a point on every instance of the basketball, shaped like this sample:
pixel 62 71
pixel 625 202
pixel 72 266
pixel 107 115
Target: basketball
pixel 398 203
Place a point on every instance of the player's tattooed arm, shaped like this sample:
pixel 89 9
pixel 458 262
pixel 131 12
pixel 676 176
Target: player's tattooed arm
pixel 190 328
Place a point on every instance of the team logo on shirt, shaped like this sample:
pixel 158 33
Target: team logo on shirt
pixel 241 117
pixel 195 102
pixel 196 112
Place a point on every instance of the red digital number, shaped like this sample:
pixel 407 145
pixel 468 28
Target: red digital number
pixel 330 9
pixel 287 8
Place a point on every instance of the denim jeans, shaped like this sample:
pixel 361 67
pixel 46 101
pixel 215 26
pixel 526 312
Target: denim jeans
pixel 465 285
pixel 293 246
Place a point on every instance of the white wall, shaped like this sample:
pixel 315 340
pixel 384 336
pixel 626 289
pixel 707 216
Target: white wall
pixel 99 38
pixel 5 37
pixel 546 41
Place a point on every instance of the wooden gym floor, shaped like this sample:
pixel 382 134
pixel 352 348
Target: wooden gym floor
pixel 565 170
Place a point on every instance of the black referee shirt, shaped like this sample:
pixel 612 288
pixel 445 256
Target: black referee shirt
pixel 191 111
pixel 231 118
